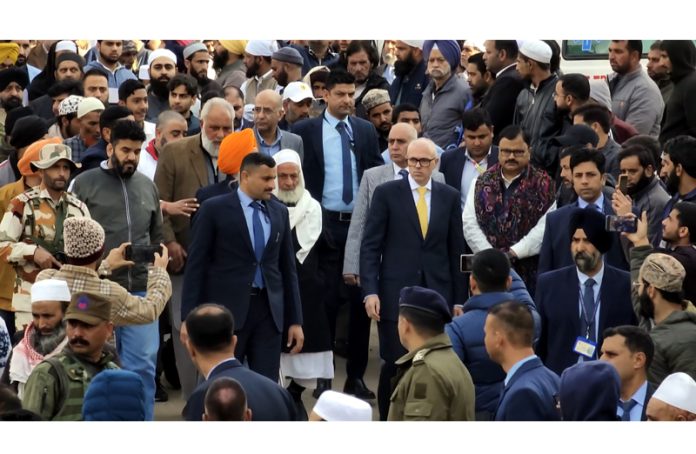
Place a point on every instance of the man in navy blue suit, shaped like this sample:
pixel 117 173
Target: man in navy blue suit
pixel 587 170
pixel 211 344
pixel 530 387
pixel 578 302
pixel 338 148
pixel 463 165
pixel 242 256
pixel 413 236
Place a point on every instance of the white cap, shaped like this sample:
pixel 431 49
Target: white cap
pixel 678 390
pixel 193 48
pixel 166 53
pixel 413 43
pixel 144 72
pixel 335 406
pixel 297 91
pixel 477 43
pixel 66 45
pixel 537 50
pixel 261 48
pixel 50 290
pixel 88 105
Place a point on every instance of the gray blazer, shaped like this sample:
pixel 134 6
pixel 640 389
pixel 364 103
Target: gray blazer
pixel 293 142
pixel 371 179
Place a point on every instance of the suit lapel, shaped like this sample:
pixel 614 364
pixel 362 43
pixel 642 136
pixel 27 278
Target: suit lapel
pixel 274 217
pixel 436 209
pixel 318 142
pixel 387 174
pixel 241 220
pixel 605 301
pixel 460 162
pixel 411 212
pixel 197 159
pixel 357 145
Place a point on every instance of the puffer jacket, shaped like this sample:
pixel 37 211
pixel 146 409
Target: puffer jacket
pixel 115 395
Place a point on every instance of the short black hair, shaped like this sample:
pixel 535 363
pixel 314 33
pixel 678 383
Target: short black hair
pixel 96 72
pixel 186 80
pixel 687 218
pixel 656 45
pixel 681 152
pixel 491 269
pixel 568 151
pixel 649 143
pixel 511 132
pixel 644 157
pixel 225 406
pixel 111 115
pixel 509 46
pixel 210 331
pixel 207 95
pixel 636 339
pixel 633 45
pixel 588 155
pixel 577 85
pixel 670 297
pixel 128 87
pixel 592 113
pixel 555 62
pixel 517 321
pixel 126 130
pixel 254 160
pixel 338 77
pixel 477 59
pixel 475 118
pixel 405 107
pixel 234 88
pixel 363 45
pixel 425 323
pixel 67 86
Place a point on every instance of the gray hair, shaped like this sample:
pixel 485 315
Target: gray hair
pixel 166 117
pixel 219 103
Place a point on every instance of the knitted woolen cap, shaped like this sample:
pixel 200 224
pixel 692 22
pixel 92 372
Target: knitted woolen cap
pixel 83 239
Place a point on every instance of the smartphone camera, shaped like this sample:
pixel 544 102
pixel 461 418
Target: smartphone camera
pixel 625 224
pixel 466 263
pixel 142 253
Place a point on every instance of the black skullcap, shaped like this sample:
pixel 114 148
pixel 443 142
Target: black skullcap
pixel 70 56
pixel 14 115
pixel 28 130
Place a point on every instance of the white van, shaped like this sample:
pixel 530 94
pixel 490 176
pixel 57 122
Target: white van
pixel 591 57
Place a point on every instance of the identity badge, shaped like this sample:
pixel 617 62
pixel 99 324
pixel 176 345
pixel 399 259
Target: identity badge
pixel 585 347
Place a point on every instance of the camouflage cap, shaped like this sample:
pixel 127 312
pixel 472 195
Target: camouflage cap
pixel 374 98
pixel 663 271
pixel 90 308
pixel 52 153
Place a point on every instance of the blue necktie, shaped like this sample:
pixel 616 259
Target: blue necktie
pixel 259 241
pixel 588 303
pixel 593 206
pixel 404 174
pixel 347 167
pixel 627 407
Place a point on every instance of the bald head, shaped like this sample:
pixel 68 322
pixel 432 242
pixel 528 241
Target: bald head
pixel 400 136
pixel 269 97
pixel 268 110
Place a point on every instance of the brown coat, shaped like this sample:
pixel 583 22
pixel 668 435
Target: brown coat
pixel 181 171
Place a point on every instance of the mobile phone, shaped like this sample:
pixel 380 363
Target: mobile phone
pixel 623 184
pixel 142 253
pixel 466 263
pixel 627 224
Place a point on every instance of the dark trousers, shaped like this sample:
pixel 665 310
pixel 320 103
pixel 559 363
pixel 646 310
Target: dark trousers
pixel 259 341
pixel 338 293
pixel 9 318
pixel 390 349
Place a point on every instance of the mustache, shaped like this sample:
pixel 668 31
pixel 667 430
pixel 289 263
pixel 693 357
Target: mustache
pixel 78 341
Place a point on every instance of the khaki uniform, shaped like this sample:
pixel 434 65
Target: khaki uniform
pixel 432 385
pixel 30 220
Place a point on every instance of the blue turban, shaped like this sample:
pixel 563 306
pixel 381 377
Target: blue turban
pixel 449 49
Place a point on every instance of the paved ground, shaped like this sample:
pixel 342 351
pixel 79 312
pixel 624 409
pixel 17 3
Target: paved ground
pixel 171 410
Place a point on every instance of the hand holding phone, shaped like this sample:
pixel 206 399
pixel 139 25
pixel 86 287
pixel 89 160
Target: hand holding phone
pixel 142 253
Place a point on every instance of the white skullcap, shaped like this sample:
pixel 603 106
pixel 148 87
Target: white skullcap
pixel 287 155
pixel 478 44
pixel 144 72
pixel 155 54
pixel 335 406
pixel 413 43
pixel 88 105
pixel 537 50
pixel 261 48
pixel 193 48
pixel 297 92
pixel 50 290
pixel 678 390
pixel 66 45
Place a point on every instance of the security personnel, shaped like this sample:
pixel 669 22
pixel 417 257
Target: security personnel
pixel 431 383
pixel 31 230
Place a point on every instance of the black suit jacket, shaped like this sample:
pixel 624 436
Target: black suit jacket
pixel 501 98
pixel 452 165
pixel 394 253
pixel 267 400
pixel 529 395
pixel 648 395
pixel 557 299
pixel 221 262
pixel 366 149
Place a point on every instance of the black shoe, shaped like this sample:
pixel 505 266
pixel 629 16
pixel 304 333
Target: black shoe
pixel 323 384
pixel 341 348
pixel 295 391
pixel 160 394
pixel 357 388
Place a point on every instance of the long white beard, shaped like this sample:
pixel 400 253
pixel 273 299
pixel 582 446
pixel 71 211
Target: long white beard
pixel 211 147
pixel 293 196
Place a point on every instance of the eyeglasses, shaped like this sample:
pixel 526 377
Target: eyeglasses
pixel 424 162
pixel 508 152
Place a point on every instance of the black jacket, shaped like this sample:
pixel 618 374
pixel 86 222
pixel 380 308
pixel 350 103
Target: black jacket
pixel 373 81
pixel 410 86
pixel 500 99
pixel 680 111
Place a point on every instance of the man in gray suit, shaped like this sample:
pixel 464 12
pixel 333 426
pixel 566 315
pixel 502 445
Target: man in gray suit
pixel 270 139
pixel 400 136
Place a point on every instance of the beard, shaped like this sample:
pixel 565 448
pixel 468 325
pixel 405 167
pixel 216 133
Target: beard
pixel 672 182
pixel 211 147
pixel 642 184
pixel 46 343
pixel 119 167
pixel 159 87
pixel 401 68
pixel 220 60
pixel 585 262
pixel 109 59
pixel 647 307
pixel 11 103
pixel 293 196
pixel 252 70
pixel 282 79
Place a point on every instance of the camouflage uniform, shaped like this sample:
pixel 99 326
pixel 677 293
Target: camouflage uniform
pixel 30 220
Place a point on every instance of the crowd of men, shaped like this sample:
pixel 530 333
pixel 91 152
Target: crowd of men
pixel 209 211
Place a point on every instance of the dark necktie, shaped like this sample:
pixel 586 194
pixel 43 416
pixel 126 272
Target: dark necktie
pixel 592 206
pixel 627 407
pixel 588 303
pixel 347 167
pixel 259 241
pixel 404 174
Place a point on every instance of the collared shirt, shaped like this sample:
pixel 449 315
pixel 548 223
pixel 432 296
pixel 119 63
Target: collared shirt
pixel 472 170
pixel 397 169
pixel 582 277
pixel 246 201
pixel 599 203
pixel 269 148
pixel 77 146
pixel 332 197
pixel 516 367
pixel 416 195
pixel 501 71
pixel 212 369
pixel 639 397
pixel 507 182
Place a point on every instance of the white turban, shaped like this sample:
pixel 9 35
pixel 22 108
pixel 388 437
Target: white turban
pixel 155 54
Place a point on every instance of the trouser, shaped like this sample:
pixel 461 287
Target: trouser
pixel 338 293
pixel 137 347
pixel 259 339
pixel 390 349
pixel 188 375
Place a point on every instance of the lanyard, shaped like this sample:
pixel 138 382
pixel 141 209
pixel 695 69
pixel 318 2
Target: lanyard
pixel 584 314
pixel 479 168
